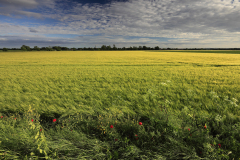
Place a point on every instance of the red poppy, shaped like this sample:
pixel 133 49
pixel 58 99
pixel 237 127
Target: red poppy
pixel 111 126
pixel 116 139
pixel 189 129
pixel 140 123
pixel 40 130
pixel 1 116
pixel 135 135
pixel 219 145
pixel 205 127
pixel 15 118
pixel 54 120
pixel 32 120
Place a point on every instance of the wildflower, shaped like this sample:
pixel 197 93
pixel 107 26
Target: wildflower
pixel 135 135
pixel 41 130
pixel 219 145
pixel 111 126
pixel 1 116
pixel 188 129
pixel 116 139
pixel 15 118
pixel 32 120
pixel 140 123
pixel 205 126
pixel 54 120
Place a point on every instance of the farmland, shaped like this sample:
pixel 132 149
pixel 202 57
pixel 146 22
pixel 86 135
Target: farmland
pixel 187 102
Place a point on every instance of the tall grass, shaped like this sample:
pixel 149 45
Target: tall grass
pixel 187 103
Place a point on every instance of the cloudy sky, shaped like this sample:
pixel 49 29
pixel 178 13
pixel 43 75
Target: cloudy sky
pixel 90 23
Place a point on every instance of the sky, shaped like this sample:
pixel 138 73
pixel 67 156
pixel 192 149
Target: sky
pixel 125 23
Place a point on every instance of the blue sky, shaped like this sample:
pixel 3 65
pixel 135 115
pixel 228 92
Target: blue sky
pixel 125 23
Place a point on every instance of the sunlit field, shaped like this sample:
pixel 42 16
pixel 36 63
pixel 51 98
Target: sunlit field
pixel 120 105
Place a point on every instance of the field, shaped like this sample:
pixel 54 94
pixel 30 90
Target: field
pixel 89 105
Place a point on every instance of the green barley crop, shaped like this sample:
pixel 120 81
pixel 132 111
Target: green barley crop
pixel 186 101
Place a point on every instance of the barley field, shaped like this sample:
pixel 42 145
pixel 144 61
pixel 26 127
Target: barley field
pixel 120 105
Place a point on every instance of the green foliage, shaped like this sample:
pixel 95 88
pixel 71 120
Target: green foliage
pixel 5 49
pixel 57 48
pixel 25 48
pixel 36 48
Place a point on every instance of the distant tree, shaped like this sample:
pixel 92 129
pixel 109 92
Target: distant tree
pixel 5 49
pixel 74 49
pixel 144 48
pixel 28 48
pixel 156 48
pixel 49 49
pixel 114 47
pixel 23 48
pixel 135 48
pixel 130 48
pixel 109 47
pixel 36 48
pixel 64 48
pixel 103 47
pixel 140 48
pixel 123 48
pixel 43 49
pixel 57 48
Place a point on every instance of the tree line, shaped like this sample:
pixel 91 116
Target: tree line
pixel 59 48
pixel 105 48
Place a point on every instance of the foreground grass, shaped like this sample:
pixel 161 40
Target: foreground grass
pixel 114 135
pixel 174 95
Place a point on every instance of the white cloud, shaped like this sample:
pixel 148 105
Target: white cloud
pixel 189 22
